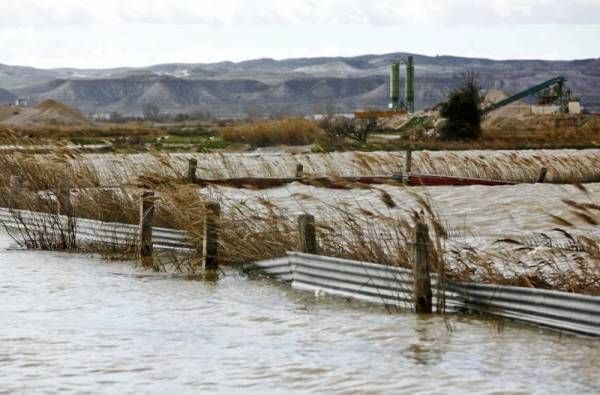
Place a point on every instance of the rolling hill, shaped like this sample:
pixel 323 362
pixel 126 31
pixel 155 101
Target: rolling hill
pixel 292 85
pixel 6 97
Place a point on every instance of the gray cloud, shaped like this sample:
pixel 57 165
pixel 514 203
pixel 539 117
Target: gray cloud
pixel 90 33
pixel 365 12
pixel 43 13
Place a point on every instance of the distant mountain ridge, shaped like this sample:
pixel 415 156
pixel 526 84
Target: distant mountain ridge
pixel 267 86
pixel 6 96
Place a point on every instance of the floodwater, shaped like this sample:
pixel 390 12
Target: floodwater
pixel 71 323
pixel 487 212
pixel 563 165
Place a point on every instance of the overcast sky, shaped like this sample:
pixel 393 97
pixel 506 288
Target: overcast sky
pixel 108 33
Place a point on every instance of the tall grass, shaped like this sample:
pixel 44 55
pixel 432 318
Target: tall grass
pixel 289 131
pixel 34 133
pixel 251 232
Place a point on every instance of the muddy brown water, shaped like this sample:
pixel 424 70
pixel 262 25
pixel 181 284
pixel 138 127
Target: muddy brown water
pixel 72 323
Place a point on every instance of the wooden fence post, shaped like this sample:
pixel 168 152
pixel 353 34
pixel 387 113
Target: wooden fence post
pixel 65 207
pixel 308 234
pixel 192 166
pixel 408 162
pixel 210 246
pixel 146 219
pixel 15 190
pixel 407 167
pixel 422 279
pixel 15 184
pixel 543 174
pixel 299 170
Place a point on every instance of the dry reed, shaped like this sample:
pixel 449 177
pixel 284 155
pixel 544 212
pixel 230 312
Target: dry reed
pixel 250 232
pixel 290 131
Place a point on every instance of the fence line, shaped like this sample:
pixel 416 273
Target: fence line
pixel 92 231
pixel 392 286
pixel 360 280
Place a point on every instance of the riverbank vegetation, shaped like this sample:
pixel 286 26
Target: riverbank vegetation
pixel 561 258
pixel 327 135
pixel 462 111
pixel 265 133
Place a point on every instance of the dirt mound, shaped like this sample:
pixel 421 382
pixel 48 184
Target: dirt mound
pixel 544 123
pixel 591 122
pixel 505 124
pixel 394 122
pixel 49 112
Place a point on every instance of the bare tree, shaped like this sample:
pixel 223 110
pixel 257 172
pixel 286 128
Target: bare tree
pixel 338 128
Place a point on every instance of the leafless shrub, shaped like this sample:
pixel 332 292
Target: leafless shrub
pixel 338 128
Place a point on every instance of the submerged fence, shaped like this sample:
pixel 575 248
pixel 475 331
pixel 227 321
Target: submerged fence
pixel 394 287
pixel 90 231
pixel 369 282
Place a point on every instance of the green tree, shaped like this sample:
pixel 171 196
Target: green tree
pixel 463 110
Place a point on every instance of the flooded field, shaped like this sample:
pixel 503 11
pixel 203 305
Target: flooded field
pixel 478 212
pixel 530 234
pixel 70 323
pixel 520 166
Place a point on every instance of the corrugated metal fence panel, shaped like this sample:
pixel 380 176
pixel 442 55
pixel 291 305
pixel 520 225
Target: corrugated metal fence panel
pixel 361 280
pixel 560 310
pixel 93 231
pixel 369 282
pixel 393 286
pixel 278 268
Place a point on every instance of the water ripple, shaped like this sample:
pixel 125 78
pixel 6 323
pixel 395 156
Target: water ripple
pixel 76 324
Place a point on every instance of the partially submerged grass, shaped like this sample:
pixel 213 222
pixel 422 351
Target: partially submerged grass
pixel 255 232
pixel 548 265
pixel 561 258
pixel 115 170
